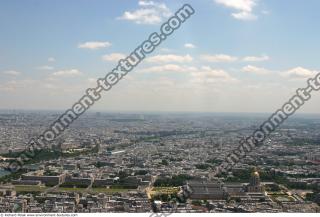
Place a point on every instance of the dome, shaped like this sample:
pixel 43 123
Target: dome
pixel 255 174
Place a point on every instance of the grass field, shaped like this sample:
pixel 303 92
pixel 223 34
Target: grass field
pixel 30 188
pixel 65 189
pixel 280 197
pixel 36 188
pixel 163 190
pixel 93 190
pixel 110 190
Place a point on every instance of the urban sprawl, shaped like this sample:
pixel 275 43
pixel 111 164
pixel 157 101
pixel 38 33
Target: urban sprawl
pixel 159 162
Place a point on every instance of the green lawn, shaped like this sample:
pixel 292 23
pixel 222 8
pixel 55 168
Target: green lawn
pixel 110 190
pixel 30 188
pixel 93 190
pixel 36 188
pixel 65 189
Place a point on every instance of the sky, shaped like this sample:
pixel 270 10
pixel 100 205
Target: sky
pixel 230 56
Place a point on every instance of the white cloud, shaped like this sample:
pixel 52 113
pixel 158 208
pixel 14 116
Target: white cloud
pixel 255 70
pixel 45 67
pixel 166 50
pixel 299 73
pixel 256 58
pixel 93 45
pixel 168 68
pixel 244 15
pixel 51 59
pixel 68 72
pixel 209 75
pixel 50 86
pixel 92 81
pixel 14 85
pixel 150 12
pixel 169 58
pixel 242 5
pixel 228 58
pixel 218 58
pixel 189 45
pixel 11 72
pixel 244 8
pixel 113 57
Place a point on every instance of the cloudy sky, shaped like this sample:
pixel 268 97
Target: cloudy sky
pixel 230 56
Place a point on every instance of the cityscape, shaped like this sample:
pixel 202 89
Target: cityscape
pixel 159 108
pixel 160 162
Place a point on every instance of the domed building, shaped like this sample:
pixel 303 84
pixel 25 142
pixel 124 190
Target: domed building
pixel 255 183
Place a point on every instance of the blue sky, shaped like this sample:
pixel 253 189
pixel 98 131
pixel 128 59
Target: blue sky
pixel 231 56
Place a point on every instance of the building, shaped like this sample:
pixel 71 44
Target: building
pixel 255 183
pixel 206 191
pixel 46 179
